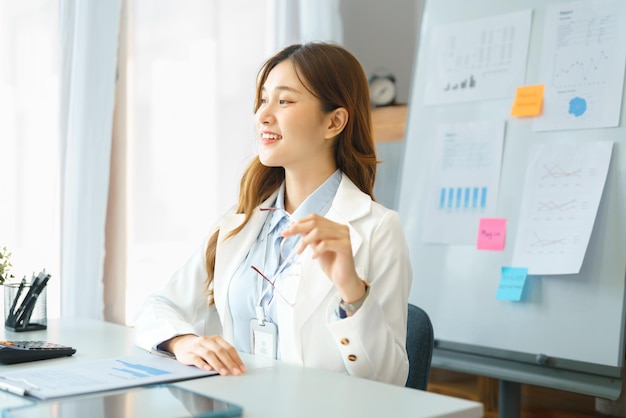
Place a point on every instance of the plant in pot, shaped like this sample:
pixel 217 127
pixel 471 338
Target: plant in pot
pixel 5 265
pixel 5 274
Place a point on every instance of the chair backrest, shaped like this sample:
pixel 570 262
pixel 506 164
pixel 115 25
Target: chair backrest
pixel 420 340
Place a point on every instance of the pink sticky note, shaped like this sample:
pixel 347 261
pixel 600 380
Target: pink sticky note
pixel 491 234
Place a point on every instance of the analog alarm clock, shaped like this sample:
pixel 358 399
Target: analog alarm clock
pixel 383 90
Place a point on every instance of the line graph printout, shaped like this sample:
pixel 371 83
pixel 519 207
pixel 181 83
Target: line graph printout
pixel 464 179
pixel 478 59
pixel 562 191
pixel 582 67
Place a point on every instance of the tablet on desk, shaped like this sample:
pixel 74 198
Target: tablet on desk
pixel 163 401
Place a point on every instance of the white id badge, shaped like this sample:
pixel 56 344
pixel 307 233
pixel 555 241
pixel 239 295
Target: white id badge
pixel 263 338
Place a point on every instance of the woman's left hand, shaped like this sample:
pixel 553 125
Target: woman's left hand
pixel 330 244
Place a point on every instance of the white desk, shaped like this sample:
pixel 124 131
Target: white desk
pixel 268 389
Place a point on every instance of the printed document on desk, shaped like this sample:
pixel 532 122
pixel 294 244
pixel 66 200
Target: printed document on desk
pixel 77 378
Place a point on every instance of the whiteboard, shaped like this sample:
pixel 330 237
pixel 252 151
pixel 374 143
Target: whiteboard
pixel 577 317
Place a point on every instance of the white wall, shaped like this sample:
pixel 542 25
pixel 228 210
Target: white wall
pixel 383 34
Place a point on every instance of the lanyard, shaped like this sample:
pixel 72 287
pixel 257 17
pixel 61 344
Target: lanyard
pixel 265 289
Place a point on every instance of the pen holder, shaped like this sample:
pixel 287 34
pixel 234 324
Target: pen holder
pixel 24 313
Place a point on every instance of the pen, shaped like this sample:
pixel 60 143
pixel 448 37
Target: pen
pixel 28 311
pixel 28 304
pixel 20 310
pixel 11 316
pixel 16 390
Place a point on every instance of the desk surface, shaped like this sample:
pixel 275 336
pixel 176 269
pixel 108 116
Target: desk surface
pixel 269 389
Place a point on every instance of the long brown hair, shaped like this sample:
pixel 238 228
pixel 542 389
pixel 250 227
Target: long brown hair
pixel 336 78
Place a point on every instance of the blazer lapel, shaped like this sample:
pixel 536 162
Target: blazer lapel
pixel 230 254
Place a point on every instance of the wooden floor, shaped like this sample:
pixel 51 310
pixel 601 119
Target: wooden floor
pixel 536 402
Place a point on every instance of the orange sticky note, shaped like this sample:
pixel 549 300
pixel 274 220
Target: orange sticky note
pixel 528 101
pixel 491 234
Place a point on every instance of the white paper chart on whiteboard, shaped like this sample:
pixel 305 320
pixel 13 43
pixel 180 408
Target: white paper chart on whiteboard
pixel 464 179
pixel 479 59
pixel 562 192
pixel 582 65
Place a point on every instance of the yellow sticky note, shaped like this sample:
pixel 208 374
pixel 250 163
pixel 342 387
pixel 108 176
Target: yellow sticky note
pixel 528 101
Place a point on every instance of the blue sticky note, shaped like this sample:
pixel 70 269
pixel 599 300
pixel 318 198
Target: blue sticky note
pixel 512 283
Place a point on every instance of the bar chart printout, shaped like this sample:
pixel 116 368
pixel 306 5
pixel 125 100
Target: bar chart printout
pixel 562 191
pixel 464 178
pixel 478 59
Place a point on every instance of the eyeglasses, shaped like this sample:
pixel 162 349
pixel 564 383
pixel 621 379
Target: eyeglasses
pixel 291 218
pixel 286 260
pixel 276 291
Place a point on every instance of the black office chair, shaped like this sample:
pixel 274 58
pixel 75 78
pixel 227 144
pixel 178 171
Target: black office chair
pixel 420 340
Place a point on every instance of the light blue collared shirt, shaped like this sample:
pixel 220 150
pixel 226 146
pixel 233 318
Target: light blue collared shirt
pixel 244 292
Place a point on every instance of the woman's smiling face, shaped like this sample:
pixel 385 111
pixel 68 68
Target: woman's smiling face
pixel 290 122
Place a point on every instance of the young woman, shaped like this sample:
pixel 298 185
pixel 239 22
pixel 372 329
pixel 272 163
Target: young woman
pixel 307 268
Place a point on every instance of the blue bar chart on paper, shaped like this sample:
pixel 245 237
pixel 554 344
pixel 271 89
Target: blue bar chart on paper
pixel 463 198
pixel 464 181
pixel 137 370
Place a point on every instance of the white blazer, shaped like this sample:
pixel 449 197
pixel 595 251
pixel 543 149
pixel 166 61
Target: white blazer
pixel 369 344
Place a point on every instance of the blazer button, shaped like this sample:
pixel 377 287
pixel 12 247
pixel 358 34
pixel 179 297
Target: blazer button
pixel 352 357
pixel 345 341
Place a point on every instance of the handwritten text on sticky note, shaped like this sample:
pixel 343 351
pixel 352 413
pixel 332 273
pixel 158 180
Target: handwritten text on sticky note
pixel 528 101
pixel 491 234
pixel 512 283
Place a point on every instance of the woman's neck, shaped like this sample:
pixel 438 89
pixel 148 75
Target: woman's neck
pixel 299 186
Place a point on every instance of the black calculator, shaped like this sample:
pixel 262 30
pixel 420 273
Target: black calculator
pixel 12 352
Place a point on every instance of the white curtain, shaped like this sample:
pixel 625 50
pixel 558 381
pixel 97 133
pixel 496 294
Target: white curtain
pixel 191 75
pixel 29 164
pixel 89 35
pixel 299 21
pixel 190 126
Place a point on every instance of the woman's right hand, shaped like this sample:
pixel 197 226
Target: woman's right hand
pixel 207 353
